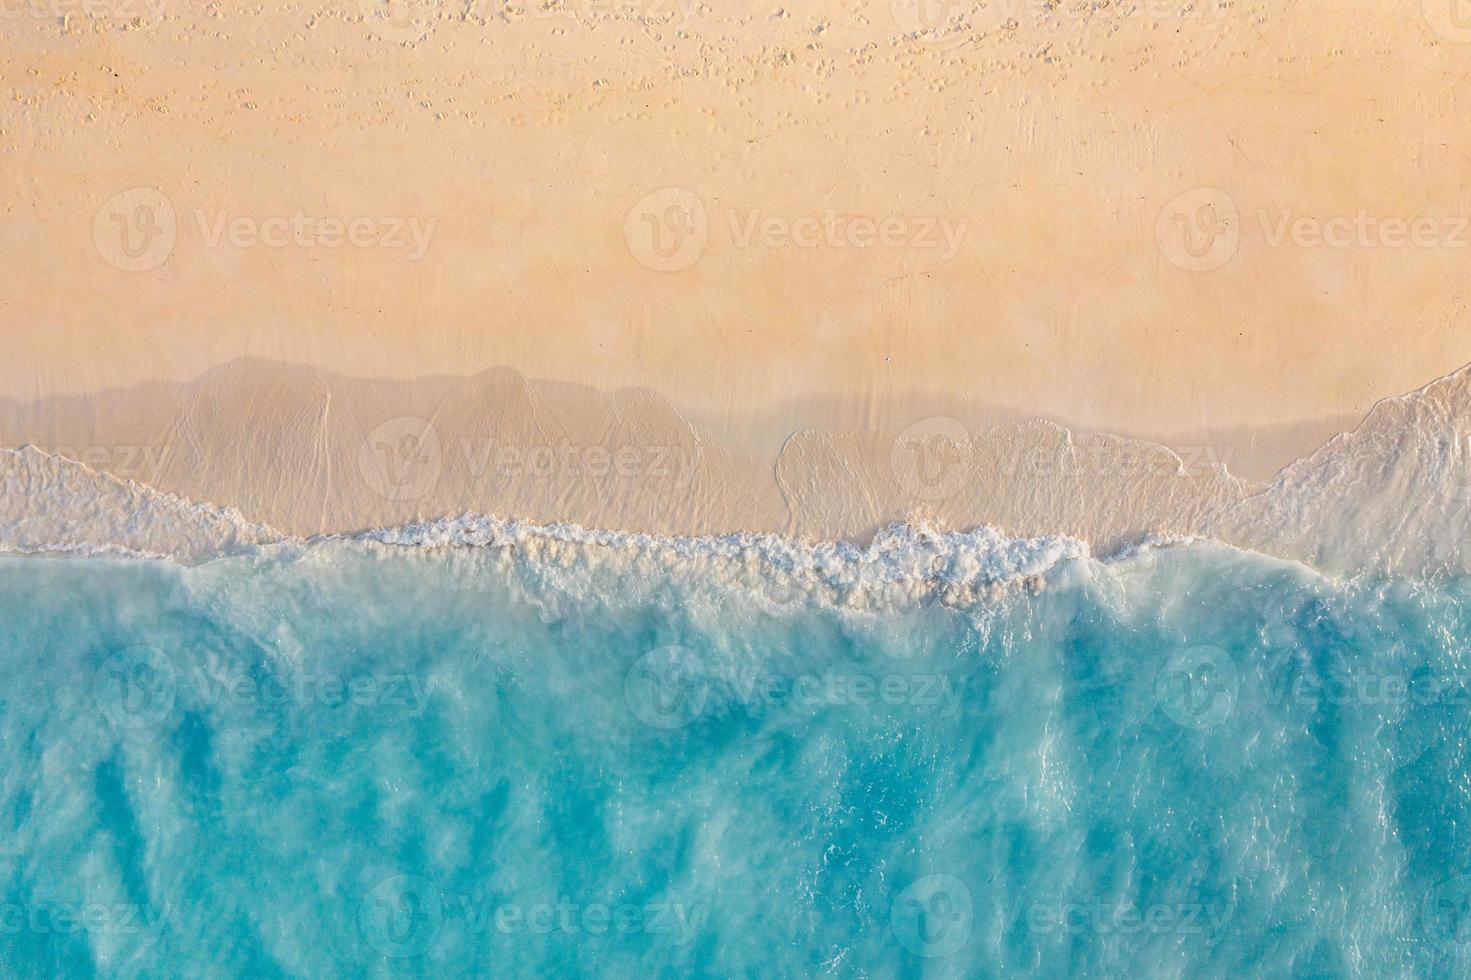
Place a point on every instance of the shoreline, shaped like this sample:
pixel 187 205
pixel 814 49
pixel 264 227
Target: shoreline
pixel 306 453
pixel 1254 452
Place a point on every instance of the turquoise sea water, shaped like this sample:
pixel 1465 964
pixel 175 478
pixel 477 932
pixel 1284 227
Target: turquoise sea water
pixel 346 759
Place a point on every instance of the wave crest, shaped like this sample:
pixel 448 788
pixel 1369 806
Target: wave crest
pixel 903 564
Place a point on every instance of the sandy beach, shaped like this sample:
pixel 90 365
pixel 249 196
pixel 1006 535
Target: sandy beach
pixel 702 488
pixel 762 242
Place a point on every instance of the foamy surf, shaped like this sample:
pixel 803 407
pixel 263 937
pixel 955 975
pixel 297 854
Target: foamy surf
pixel 560 752
pixel 1392 497
pixel 52 504
pixel 903 563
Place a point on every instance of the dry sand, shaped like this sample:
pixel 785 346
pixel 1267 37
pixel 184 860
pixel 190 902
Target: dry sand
pixel 764 239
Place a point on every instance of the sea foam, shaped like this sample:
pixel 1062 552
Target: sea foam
pixel 903 563
pixel 1391 497
pixel 353 758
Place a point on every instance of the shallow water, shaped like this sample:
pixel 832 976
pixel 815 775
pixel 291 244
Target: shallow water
pixel 352 759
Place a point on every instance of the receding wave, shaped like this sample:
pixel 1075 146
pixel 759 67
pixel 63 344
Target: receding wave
pixel 1391 497
pixel 51 504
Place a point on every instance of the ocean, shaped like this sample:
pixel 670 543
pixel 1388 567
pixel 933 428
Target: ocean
pixel 532 755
